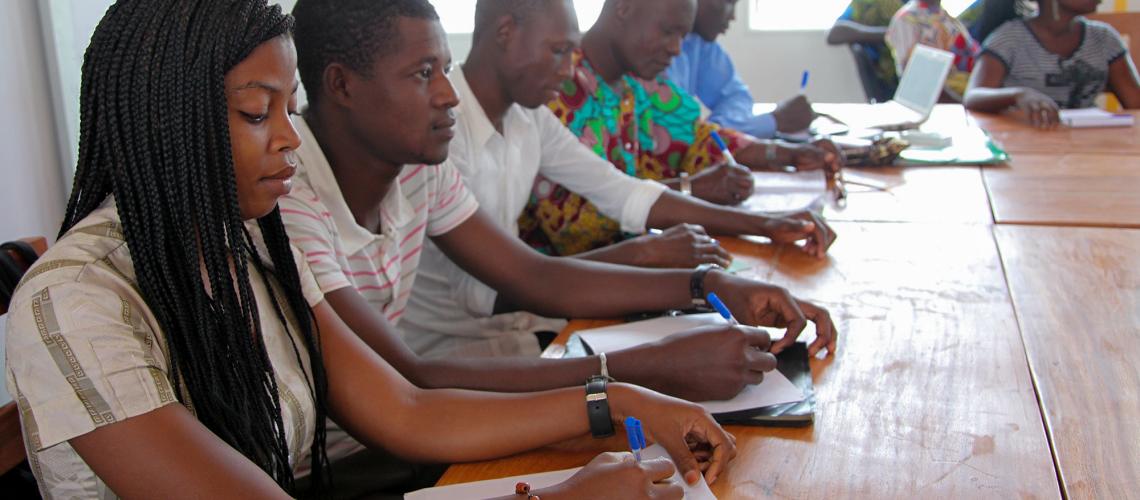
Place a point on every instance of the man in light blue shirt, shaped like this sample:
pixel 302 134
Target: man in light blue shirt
pixel 705 70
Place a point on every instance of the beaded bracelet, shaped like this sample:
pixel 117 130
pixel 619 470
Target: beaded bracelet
pixel 523 488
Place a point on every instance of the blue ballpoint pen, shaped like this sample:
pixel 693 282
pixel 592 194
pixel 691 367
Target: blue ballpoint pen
pixel 635 436
pixel 804 81
pixel 721 308
pixel 723 148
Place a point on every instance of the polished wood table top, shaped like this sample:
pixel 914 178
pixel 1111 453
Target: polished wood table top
pixel 1015 135
pixel 929 392
pixel 920 194
pixel 1077 295
pixel 987 346
pixel 1082 189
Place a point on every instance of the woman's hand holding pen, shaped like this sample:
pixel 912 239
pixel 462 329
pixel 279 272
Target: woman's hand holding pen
pixel 756 303
pixel 675 424
pixel 618 476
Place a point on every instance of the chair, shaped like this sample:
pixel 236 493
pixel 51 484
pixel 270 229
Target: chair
pixel 11 439
pixel 874 88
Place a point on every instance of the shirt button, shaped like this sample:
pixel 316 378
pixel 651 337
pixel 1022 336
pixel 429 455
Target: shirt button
pixel 629 146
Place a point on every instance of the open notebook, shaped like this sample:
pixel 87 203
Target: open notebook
pixel 492 488
pixel 784 397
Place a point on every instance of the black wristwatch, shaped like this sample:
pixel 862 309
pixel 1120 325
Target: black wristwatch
pixel 697 283
pixel 598 407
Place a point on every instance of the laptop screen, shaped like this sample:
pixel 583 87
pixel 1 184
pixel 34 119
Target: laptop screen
pixel 922 81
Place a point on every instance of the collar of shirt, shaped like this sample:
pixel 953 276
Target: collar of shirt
pixel 395 210
pixel 476 125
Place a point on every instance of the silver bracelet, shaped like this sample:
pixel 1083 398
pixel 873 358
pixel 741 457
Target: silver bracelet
pixel 770 154
pixel 605 367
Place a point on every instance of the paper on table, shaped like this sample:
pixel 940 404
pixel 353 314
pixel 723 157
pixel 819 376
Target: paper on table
pixel 786 191
pixel 773 390
pixel 505 486
pixel 1094 117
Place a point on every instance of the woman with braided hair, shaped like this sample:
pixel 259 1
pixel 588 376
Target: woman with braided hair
pixel 172 344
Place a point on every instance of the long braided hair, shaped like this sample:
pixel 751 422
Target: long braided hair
pixel 154 133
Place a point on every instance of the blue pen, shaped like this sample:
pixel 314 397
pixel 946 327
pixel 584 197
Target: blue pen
pixel 721 308
pixel 804 81
pixel 635 436
pixel 723 148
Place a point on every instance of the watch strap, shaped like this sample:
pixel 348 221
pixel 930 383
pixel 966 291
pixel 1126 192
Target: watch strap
pixel 598 407
pixel 697 283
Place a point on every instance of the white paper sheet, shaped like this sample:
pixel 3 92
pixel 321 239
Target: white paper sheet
pixel 786 191
pixel 773 390
pixel 1094 117
pixel 505 486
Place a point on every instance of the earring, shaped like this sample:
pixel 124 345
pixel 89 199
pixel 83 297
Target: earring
pixel 1056 11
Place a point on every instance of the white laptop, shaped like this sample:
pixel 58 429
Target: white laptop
pixel 917 93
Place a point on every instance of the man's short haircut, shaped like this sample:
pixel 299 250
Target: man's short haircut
pixel 487 11
pixel 350 32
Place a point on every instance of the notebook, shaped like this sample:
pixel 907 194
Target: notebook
pixel 1094 118
pixel 784 398
pixel 921 84
pixel 504 486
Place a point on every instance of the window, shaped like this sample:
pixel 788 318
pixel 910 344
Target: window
pixel 458 16
pixel 798 15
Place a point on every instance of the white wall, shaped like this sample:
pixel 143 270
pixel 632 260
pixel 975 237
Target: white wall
pixel 31 189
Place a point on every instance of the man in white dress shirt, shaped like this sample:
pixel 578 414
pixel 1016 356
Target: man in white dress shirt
pixel 505 137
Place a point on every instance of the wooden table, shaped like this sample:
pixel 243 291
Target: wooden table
pixel 929 393
pixel 1016 136
pixel 979 357
pixel 1084 189
pixel 921 194
pixel 1077 295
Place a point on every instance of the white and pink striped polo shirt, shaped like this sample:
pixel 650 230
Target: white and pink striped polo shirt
pixel 427 200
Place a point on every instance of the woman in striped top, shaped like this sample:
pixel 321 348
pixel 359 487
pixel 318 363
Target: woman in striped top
pixel 1053 60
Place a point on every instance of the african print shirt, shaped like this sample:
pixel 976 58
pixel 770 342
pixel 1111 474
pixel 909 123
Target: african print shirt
pixel 647 129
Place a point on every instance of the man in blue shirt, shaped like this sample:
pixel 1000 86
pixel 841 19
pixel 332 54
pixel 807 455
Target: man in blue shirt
pixel 705 70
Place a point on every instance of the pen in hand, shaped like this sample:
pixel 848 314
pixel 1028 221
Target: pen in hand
pixel 723 148
pixel 715 301
pixel 635 436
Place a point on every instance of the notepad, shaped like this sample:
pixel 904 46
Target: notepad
pixel 1094 117
pixel 505 486
pixel 787 191
pixel 775 389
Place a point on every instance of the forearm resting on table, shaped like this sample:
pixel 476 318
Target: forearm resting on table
pixel 672 209
pixel 991 100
